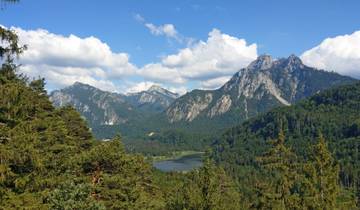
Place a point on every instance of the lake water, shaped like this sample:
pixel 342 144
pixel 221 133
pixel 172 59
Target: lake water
pixel 185 163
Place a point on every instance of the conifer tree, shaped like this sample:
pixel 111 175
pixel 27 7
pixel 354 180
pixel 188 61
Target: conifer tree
pixel 322 174
pixel 208 188
pixel 280 161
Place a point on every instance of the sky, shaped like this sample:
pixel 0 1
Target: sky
pixel 129 45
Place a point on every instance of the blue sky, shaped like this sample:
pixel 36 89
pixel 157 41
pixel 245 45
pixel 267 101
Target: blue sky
pixel 278 27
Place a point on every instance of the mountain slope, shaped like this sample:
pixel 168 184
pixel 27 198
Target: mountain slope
pixel 264 84
pixel 110 113
pixel 335 113
pixel 155 99
pixel 97 106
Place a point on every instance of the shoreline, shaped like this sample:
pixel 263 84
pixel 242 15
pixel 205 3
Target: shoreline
pixel 174 156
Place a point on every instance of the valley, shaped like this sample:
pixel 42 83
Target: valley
pixel 192 121
pixel 162 119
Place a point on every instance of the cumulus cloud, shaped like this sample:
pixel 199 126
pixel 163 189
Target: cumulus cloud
pixel 340 54
pixel 220 56
pixel 160 73
pixel 140 86
pixel 58 77
pixel 215 83
pixel 63 60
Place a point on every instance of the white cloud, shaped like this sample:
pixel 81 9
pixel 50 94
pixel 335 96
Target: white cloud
pixel 159 73
pixel 215 83
pixel 221 55
pixel 181 90
pixel 167 30
pixel 139 18
pixel 58 77
pixel 63 60
pixel 340 54
pixel 141 86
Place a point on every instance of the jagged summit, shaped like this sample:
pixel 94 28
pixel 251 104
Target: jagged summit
pixel 262 62
pixel 293 62
pixel 265 61
pixel 264 84
pixel 81 85
pixel 156 88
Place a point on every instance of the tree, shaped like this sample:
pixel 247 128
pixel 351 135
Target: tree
pixel 73 196
pixel 322 173
pixel 208 188
pixel 280 161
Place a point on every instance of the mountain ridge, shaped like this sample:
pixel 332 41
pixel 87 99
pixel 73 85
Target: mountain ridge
pixel 264 84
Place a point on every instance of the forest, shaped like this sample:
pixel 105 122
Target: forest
pixel 304 156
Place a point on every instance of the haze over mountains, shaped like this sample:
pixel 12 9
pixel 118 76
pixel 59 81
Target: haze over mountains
pixel 266 83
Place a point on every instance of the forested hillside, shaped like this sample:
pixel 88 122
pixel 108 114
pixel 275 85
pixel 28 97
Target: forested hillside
pixel 332 115
pixel 50 160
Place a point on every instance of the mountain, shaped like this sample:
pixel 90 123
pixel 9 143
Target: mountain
pixel 334 112
pixel 266 83
pixel 155 99
pixel 108 113
pixel 97 106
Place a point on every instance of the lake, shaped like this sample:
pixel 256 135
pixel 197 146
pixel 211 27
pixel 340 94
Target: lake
pixel 184 163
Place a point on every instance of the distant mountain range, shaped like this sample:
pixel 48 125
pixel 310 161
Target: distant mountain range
pixel 266 83
pixel 155 99
pixel 106 108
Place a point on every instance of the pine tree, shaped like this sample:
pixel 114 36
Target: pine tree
pixel 322 173
pixel 280 161
pixel 208 188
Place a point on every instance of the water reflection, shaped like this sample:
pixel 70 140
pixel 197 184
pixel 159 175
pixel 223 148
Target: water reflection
pixel 185 163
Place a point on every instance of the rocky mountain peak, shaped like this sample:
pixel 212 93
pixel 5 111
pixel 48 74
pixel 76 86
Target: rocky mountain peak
pixel 264 84
pixel 80 85
pixel 156 88
pixel 262 62
pixel 293 62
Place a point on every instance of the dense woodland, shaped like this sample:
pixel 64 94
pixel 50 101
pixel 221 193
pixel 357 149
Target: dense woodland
pixel 328 120
pixel 300 157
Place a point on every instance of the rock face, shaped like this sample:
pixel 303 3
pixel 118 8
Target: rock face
pixel 155 98
pixel 98 107
pixel 264 84
pixel 222 105
pixel 190 110
pixel 106 108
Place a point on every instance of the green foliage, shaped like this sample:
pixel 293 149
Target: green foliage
pixel 72 196
pixel 9 48
pixel 204 189
pixel 334 112
pixel 323 173
pixel 280 162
